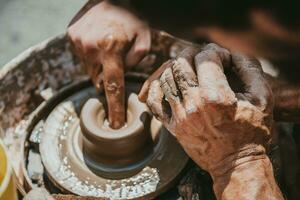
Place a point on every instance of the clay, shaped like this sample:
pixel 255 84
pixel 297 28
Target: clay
pixel 65 162
pixel 51 64
pixel 73 197
pixel 35 168
pixel 38 194
pixel 116 149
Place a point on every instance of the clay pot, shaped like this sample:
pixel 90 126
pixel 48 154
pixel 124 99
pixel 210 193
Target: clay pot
pixel 119 153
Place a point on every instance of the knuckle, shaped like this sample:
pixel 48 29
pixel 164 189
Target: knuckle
pixel 199 55
pixel 118 37
pixel 105 41
pixel 211 96
pixel 110 38
pixel 113 42
pixel 178 73
pixel 177 67
pixel 142 49
pixel 215 48
pixel 199 103
pixel 189 52
pixel 76 40
pixel 165 76
pixel 150 101
pixel 212 46
pixel 89 46
pixel 219 100
pixel 206 55
pixel 179 120
pixel 215 52
pixel 153 106
pixel 194 108
pixel 224 108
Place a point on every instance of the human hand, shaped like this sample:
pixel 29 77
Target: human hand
pixel 107 38
pixel 218 128
pixel 224 130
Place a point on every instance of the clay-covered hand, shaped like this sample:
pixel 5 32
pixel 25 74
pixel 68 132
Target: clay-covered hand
pixel 107 38
pixel 222 131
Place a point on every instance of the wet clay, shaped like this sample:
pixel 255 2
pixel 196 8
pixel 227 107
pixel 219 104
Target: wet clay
pixel 76 168
pixel 124 150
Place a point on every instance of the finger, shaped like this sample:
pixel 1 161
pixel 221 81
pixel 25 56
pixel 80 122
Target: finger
pixel 98 82
pixel 113 77
pixel 139 49
pixel 78 47
pixel 73 47
pixel 92 69
pixel 185 75
pixel 90 64
pixel 171 93
pixel 145 88
pixel 155 101
pixel 212 81
pixel 257 89
pixel 185 54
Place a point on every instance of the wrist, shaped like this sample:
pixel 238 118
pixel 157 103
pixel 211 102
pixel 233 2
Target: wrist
pixel 243 156
pixel 247 174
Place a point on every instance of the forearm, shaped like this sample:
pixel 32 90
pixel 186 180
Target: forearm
pixel 287 99
pixel 253 180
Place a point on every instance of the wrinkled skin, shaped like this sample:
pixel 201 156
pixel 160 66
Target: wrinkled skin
pixel 133 45
pixel 224 132
pixel 109 38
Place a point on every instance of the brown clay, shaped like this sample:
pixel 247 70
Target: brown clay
pixel 64 157
pixel 110 50
pixel 112 149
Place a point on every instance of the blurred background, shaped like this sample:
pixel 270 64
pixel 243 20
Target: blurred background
pixel 24 23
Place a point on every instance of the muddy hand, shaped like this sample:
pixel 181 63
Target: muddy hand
pixel 219 129
pixel 187 54
pixel 204 108
pixel 108 38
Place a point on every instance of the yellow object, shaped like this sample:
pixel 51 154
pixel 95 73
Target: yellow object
pixel 7 187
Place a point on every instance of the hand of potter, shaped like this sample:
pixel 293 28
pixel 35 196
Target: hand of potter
pixel 221 130
pixel 107 38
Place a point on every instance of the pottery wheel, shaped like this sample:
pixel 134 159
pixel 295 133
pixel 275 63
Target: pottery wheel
pixel 63 158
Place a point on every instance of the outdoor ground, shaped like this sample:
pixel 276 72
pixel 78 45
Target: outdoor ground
pixel 24 23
